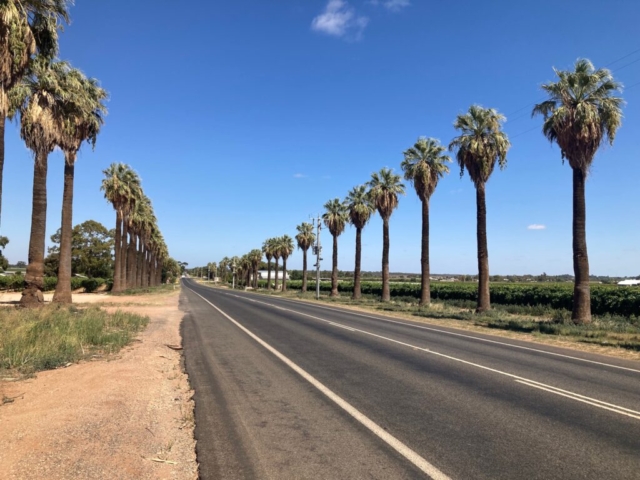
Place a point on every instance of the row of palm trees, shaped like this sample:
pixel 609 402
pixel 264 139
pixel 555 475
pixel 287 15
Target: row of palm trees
pixel 140 250
pixel 582 111
pixel 57 107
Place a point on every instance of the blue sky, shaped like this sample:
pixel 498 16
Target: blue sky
pixel 243 118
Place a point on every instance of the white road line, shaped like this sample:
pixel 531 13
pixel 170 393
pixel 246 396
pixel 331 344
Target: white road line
pixel 392 441
pixel 533 383
pixel 573 397
pixel 382 319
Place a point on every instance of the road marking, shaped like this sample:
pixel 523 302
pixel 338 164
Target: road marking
pixel 581 398
pixel 382 319
pixel 392 441
pixel 532 383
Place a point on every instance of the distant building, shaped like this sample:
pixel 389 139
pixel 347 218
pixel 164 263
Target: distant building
pixel 629 283
pixel 262 275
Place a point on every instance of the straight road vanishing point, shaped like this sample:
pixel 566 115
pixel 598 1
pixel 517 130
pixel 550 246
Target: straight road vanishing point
pixel 287 389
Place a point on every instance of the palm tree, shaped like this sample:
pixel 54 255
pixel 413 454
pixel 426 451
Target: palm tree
pixel 275 250
pixel 268 252
pixel 360 209
pixel 384 188
pixel 335 217
pixel 305 239
pixel 255 256
pixel 424 165
pixel 581 112
pixel 40 99
pixel 83 119
pixel 286 248
pixel 120 185
pixel 481 144
pixel 28 27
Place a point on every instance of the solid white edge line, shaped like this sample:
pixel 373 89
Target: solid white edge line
pixel 517 378
pixel 422 327
pixel 392 441
pixel 579 399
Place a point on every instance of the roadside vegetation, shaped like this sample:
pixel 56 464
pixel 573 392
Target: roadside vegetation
pixel 581 111
pixel 40 339
pixel 606 329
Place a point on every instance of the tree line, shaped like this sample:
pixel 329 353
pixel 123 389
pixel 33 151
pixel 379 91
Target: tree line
pixel 581 111
pixel 56 106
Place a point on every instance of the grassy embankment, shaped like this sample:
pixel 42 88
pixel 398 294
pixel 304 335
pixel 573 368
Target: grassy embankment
pixel 616 323
pixel 46 338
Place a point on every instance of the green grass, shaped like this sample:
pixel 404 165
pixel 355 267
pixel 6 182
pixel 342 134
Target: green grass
pixel 606 330
pixel 40 339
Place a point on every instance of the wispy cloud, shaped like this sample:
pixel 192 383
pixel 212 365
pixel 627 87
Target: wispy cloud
pixel 393 5
pixel 536 226
pixel 299 175
pixel 339 19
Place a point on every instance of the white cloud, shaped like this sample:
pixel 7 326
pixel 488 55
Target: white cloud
pixel 299 175
pixel 393 5
pixel 535 226
pixel 339 19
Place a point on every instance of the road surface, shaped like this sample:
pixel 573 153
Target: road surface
pixel 293 390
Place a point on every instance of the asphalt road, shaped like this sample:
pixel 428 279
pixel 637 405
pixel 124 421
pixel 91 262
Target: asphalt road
pixel 286 389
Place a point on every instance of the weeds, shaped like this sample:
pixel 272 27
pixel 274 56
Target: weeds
pixel 40 339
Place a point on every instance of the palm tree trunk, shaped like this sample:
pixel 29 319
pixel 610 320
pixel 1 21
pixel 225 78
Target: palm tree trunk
pixel 304 270
pixel 139 272
pixel 3 121
pixel 63 287
pixel 131 260
pixel 123 253
pixel 386 292
pixel 484 302
pixel 581 291
pixel 357 290
pixel 284 274
pixel 268 273
pixel 255 277
pixel 275 285
pixel 147 265
pixel 34 278
pixel 334 270
pixel 152 269
pixel 425 293
pixel 158 272
pixel 117 278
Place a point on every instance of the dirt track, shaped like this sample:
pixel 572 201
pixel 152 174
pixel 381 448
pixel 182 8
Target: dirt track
pixel 130 416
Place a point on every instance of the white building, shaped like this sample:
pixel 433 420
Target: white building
pixel 629 283
pixel 262 275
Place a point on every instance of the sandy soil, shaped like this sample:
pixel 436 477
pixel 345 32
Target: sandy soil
pixel 126 417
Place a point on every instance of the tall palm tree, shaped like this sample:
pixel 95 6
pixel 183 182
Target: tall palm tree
pixel 384 188
pixel 84 116
pixel 27 27
pixel 268 252
pixel 424 165
pixel 286 249
pixel 277 253
pixel 360 208
pixel 40 101
pixel 335 217
pixel 255 256
pixel 305 239
pixel 120 185
pixel 480 145
pixel 581 112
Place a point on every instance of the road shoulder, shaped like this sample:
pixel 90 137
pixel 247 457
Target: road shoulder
pixel 128 417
